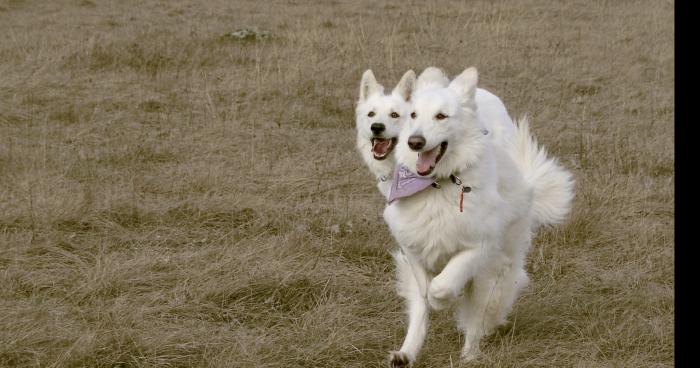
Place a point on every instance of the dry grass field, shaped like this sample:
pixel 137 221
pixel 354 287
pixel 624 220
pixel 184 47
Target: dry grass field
pixel 171 196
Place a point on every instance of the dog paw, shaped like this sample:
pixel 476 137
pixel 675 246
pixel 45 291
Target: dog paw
pixel 469 354
pixel 440 293
pixel 398 359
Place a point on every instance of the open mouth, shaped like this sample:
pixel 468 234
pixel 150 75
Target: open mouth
pixel 428 159
pixel 382 147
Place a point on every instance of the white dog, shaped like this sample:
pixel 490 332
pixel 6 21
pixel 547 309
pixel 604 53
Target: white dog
pixel 379 118
pixel 464 241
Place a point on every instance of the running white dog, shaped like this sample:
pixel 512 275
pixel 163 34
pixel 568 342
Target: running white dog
pixel 464 241
pixel 379 118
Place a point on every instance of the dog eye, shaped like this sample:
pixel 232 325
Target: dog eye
pixel 371 113
pixel 441 116
pixel 394 115
pixel 413 115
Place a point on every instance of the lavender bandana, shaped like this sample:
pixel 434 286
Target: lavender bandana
pixel 406 183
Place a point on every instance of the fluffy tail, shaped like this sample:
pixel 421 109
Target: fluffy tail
pixel 553 184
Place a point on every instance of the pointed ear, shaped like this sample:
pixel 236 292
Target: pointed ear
pixel 406 85
pixel 432 76
pixel 369 85
pixel 465 85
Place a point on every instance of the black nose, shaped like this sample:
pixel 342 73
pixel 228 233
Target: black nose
pixel 416 142
pixel 377 128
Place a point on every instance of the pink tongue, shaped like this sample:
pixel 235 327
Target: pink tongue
pixel 380 146
pixel 426 160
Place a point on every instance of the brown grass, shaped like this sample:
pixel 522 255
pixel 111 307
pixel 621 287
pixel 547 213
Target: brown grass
pixel 173 197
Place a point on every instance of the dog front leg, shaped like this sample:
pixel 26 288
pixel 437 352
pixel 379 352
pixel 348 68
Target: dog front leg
pixel 449 283
pixel 412 286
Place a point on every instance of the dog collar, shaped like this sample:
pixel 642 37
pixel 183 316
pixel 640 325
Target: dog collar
pixel 406 183
pixel 463 189
pixel 453 178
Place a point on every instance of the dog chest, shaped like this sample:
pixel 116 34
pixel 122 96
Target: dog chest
pixel 431 226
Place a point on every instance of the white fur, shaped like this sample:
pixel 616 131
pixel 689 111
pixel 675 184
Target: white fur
pixel 514 188
pixel 554 186
pixel 373 98
pixel 492 112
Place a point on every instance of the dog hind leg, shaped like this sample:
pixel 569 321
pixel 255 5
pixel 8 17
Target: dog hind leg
pixel 515 279
pixel 478 312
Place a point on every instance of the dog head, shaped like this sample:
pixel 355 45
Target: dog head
pixel 379 117
pixel 442 134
